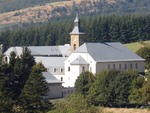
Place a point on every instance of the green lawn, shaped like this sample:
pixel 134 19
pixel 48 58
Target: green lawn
pixel 137 45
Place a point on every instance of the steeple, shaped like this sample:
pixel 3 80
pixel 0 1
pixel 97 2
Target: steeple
pixel 76 35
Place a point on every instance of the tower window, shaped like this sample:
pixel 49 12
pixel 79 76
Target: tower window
pixel 74 47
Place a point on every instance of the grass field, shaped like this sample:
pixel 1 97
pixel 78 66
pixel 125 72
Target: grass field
pixel 125 110
pixel 137 45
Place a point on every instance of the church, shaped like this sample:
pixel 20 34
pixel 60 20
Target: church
pixel 65 63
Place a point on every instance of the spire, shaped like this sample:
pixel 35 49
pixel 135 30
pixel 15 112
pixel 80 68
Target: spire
pixel 76 29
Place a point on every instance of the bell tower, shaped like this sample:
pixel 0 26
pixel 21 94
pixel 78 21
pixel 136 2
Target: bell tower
pixel 76 35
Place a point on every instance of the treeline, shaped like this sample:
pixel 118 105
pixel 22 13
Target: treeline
pixel 114 88
pixel 12 5
pixel 125 29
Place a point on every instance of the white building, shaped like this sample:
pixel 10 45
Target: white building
pixel 67 62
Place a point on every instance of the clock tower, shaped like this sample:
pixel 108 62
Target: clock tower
pixel 76 35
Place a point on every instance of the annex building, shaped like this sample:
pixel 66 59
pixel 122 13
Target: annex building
pixel 65 63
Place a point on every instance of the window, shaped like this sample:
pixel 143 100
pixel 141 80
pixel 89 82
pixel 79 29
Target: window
pixel 125 67
pixel 136 65
pixel 83 68
pixel 74 47
pixel 54 69
pixel 130 65
pixel 114 66
pixel 6 60
pixel 68 68
pixel 90 69
pixel 119 66
pixel 61 78
pixel 61 69
pixel 68 91
pixel 108 66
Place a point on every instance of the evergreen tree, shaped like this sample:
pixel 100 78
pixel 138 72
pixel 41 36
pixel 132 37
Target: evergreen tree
pixel 34 92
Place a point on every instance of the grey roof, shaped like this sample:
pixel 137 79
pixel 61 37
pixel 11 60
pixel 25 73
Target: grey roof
pixel 76 30
pixel 52 62
pixel 42 50
pixel 106 52
pixel 50 78
pixel 79 60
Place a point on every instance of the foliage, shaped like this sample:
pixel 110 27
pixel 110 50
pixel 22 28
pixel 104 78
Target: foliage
pixel 5 99
pixel 84 82
pixel 34 93
pixel 145 53
pixel 74 103
pixel 117 89
pixel 146 90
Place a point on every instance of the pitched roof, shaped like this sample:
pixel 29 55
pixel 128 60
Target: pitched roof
pixel 106 52
pixel 76 30
pixel 42 50
pixel 50 78
pixel 79 60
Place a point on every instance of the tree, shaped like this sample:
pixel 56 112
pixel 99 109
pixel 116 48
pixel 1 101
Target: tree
pixel 34 93
pixel 146 91
pixel 101 92
pixel 74 103
pixel 144 52
pixel 84 82
pixel 117 89
pixel 5 95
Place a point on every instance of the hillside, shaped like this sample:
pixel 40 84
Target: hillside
pixel 42 13
pixel 37 11
pixel 137 45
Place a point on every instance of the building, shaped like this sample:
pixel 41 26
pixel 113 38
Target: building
pixel 67 62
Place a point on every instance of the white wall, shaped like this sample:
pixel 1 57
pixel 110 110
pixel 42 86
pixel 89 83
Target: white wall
pixel 104 65
pixel 75 70
pixel 55 90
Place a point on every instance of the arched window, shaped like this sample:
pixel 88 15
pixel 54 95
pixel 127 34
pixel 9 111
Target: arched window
pixel 6 59
pixel 74 47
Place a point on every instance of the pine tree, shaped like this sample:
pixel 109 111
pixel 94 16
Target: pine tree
pixel 34 92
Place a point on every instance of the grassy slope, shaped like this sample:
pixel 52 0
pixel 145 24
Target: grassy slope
pixel 125 110
pixel 137 45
